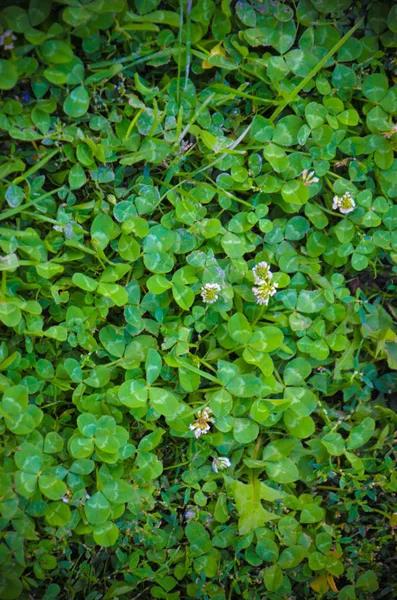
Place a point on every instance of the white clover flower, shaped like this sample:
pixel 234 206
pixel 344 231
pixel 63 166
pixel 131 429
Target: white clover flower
pixel 345 204
pixel 264 291
pixel 263 278
pixel 392 131
pixel 309 177
pixel 201 425
pixel 220 463
pixel 262 272
pixel 209 292
pixel 6 39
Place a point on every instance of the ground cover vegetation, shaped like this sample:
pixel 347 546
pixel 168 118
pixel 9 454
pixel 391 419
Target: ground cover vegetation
pixel 198 322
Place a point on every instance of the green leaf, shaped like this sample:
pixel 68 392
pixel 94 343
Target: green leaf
pixel 296 371
pixel 56 51
pixel 183 295
pixel 334 443
pixel 10 315
pixel 245 431
pixel 311 302
pixel 29 459
pixel 239 328
pixel 273 578
pixel 51 487
pixel 14 196
pixel 57 332
pixel 302 400
pixel 149 468
pixel 99 377
pixel 77 177
pixel 261 128
pixel 25 483
pixel 279 449
pixel 97 509
pixel 112 341
pixel 133 393
pixel 198 537
pixel 276 157
pixel 118 491
pixel 317 561
pixel 266 339
pixel 286 31
pixel 368 582
pixel 82 466
pixel 244 386
pixel 248 503
pixel 361 434
pixel 163 16
pixel 152 366
pixel 163 401
pixel 11 586
pixel 291 557
pixel 77 102
pixel 49 270
pixel 114 292
pixel 102 230
pixel 315 114
pixel 53 443
pixel 312 513
pixel 233 245
pixel 375 87
pixel 259 411
pixel 81 447
pixel 106 534
pixel 300 426
pixel 283 471
pixel 295 192
pixel 73 369
pixel 8 74
pixel 267 550
pixel 57 514
pixel 84 282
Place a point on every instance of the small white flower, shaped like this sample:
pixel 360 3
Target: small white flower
pixel 263 278
pixel 6 39
pixel 309 177
pixel 264 291
pixel 209 292
pixel 345 204
pixel 201 425
pixel 262 272
pixel 220 463
pixel 65 499
pixel 392 131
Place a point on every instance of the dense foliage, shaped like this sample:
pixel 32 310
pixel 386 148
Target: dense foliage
pixel 198 340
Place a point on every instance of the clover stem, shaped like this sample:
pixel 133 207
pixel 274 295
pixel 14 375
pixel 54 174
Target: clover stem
pixel 260 314
pixel 186 462
pixel 257 447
